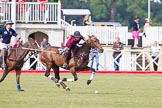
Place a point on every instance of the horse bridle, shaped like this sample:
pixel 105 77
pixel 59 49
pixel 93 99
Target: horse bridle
pixel 92 42
pixel 33 53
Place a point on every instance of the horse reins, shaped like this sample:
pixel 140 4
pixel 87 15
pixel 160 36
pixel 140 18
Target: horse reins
pixel 94 44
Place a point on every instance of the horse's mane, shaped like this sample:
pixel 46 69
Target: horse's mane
pixel 83 48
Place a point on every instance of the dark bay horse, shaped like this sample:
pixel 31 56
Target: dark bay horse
pixel 51 58
pixel 15 60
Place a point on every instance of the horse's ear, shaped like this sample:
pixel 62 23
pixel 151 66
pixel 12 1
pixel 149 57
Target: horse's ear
pixel 30 39
pixel 89 36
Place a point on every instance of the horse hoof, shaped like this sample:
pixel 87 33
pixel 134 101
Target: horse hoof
pixel 64 79
pixel 58 85
pixel 21 90
pixel 88 82
pixel 67 89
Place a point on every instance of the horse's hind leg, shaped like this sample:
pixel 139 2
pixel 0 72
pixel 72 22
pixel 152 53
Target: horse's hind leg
pixel 18 73
pixel 57 76
pixel 73 71
pixel 5 73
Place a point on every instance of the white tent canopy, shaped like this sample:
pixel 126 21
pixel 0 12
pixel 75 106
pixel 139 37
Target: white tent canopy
pixel 76 12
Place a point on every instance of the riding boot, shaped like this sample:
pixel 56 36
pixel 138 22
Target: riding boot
pixel 66 55
pixel 4 58
pixel 65 65
pixel 4 66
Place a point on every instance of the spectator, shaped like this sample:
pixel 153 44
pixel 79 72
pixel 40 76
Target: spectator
pixel 155 54
pixel 136 30
pixel 94 55
pixel 148 23
pixel 117 46
pixel 87 20
pixel 44 43
pixel 33 56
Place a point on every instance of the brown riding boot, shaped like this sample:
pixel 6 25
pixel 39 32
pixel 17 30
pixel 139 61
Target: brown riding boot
pixel 4 66
pixel 4 58
pixel 66 56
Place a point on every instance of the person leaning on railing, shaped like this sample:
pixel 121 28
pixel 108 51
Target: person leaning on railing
pixel 155 54
pixel 117 46
pixel 87 21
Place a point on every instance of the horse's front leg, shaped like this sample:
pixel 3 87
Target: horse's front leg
pixel 18 73
pixel 92 74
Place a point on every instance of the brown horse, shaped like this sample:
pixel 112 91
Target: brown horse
pixel 51 58
pixel 15 60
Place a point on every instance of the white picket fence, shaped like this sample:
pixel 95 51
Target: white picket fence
pixel 106 35
pixel 128 61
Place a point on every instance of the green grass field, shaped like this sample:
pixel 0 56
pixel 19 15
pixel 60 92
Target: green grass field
pixel 115 91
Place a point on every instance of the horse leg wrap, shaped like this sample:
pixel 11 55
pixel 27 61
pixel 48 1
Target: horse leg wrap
pixel 53 79
pixel 92 75
pixel 18 87
pixel 64 86
pixel 70 80
pixel 50 77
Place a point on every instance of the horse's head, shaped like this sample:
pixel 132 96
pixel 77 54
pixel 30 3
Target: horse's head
pixel 31 44
pixel 95 43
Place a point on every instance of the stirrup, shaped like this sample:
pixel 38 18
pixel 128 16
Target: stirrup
pixel 4 67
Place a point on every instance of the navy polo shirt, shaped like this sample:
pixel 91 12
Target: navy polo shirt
pixel 7 34
pixel 135 26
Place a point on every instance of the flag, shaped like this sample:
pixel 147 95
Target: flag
pixel 156 1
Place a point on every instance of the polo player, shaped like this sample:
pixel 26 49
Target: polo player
pixel 71 45
pixel 6 33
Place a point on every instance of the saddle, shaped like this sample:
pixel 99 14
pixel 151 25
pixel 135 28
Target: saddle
pixel 61 51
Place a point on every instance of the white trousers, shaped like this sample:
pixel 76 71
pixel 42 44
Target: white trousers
pixel 3 45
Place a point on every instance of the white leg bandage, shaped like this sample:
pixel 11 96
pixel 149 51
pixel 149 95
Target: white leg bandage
pixel 92 75
pixel 70 80
pixel 50 77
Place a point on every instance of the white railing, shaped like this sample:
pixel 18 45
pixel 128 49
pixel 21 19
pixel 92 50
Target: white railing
pixel 106 35
pixel 31 12
pixel 37 12
pixel 64 24
pixel 131 60
pixel 5 11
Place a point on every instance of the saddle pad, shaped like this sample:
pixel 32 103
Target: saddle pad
pixel 61 51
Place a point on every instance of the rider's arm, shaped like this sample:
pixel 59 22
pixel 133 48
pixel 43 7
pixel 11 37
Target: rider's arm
pixel 69 43
pixel 15 34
